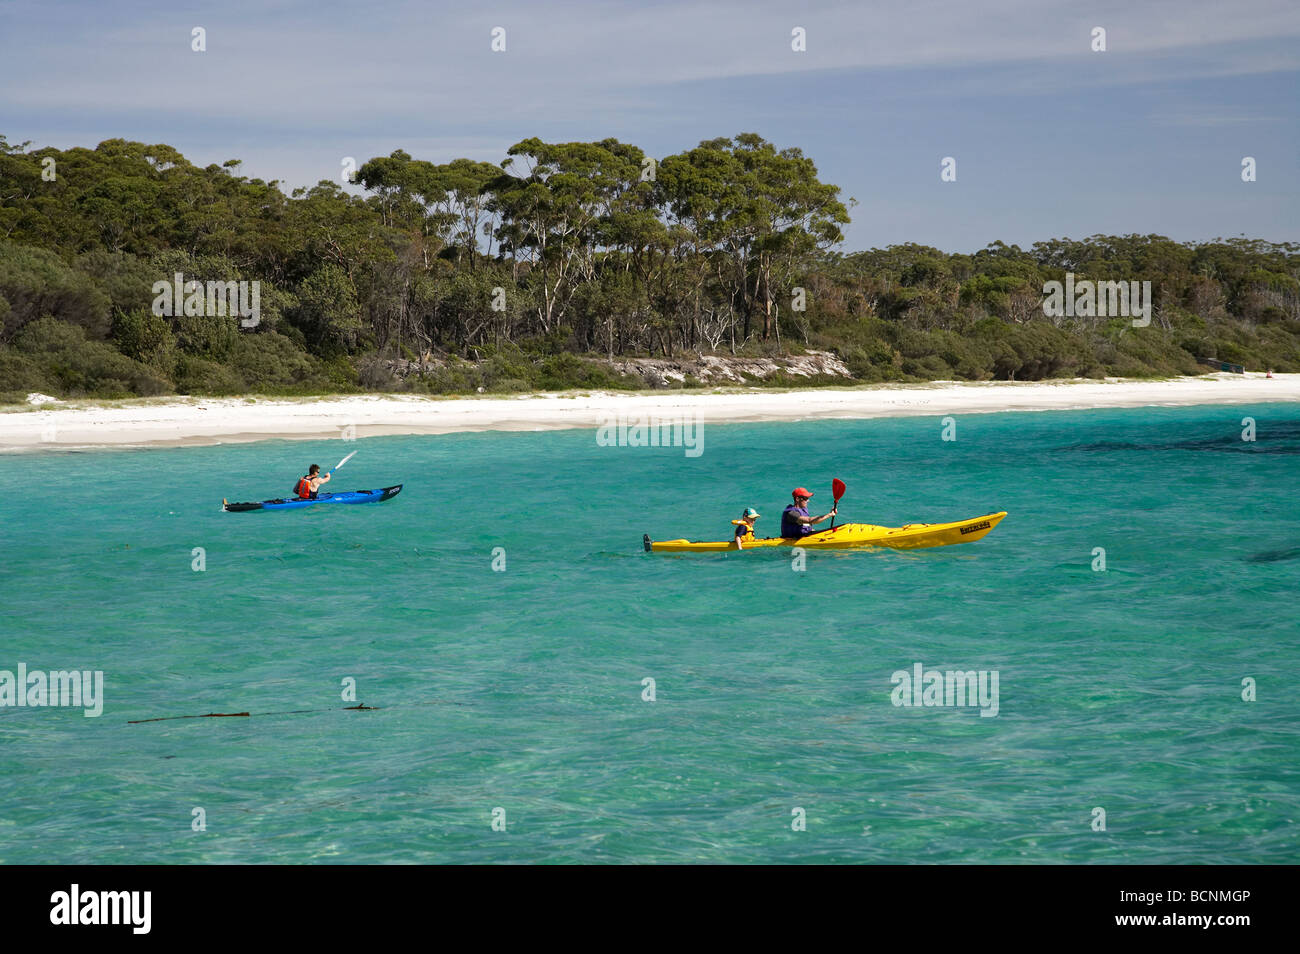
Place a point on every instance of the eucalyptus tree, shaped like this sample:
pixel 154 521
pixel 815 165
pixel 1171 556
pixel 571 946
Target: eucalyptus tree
pixel 758 213
pixel 800 216
pixel 552 203
pixel 459 201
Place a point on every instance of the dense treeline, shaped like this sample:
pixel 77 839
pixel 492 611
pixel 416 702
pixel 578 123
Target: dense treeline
pixel 526 274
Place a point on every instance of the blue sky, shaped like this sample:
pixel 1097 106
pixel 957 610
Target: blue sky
pixel 1051 139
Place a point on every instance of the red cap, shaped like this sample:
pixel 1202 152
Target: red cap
pixel 801 492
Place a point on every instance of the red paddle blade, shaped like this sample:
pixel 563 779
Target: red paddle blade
pixel 837 489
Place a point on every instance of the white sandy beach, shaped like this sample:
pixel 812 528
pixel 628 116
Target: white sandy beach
pixel 177 421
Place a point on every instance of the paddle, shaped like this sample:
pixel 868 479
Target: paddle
pixel 354 454
pixel 340 464
pixel 837 490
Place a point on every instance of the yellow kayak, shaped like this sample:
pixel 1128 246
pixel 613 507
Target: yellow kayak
pixel 847 535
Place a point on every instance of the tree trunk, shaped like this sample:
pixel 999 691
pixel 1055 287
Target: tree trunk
pixel 765 273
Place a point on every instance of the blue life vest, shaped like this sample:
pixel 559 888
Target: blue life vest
pixel 792 528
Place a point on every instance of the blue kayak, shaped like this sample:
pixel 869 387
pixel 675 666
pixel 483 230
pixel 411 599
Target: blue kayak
pixel 294 503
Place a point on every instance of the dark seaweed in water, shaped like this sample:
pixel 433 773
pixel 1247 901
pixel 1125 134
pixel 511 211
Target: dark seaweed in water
pixel 1282 437
pixel 1274 556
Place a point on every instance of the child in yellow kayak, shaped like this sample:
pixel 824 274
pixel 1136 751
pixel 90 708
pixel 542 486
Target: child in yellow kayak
pixel 745 527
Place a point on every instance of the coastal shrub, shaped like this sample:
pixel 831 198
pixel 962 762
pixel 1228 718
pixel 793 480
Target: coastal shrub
pixel 35 282
pixel 1279 348
pixel 20 375
pixel 783 379
pixel 1157 351
pixel 78 367
pixel 996 294
pixel 508 386
pixel 1126 366
pixel 206 336
pixel 1196 345
pixel 340 373
pixel 269 363
pixel 967 356
pixel 456 376
pixel 124 278
pixel 928 366
pixel 911 343
pixel 564 372
pixel 506 364
pixel 147 338
pixel 453 377
pixel 195 375
pixel 1033 351
pixel 374 374
pixel 856 360
pixel 328 312
pixel 1231 351
pixel 867 346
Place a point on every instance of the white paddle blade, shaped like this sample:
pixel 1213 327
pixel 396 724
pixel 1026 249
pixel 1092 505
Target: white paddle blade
pixel 345 460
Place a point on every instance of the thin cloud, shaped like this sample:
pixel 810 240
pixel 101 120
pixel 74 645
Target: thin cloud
pixel 341 63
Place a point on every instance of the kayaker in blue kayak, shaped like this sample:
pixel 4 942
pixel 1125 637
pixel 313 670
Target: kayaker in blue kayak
pixel 309 485
pixel 795 521
pixel 745 527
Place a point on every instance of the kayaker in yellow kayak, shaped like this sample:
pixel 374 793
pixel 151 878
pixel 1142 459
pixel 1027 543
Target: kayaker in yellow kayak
pixel 745 527
pixel 795 521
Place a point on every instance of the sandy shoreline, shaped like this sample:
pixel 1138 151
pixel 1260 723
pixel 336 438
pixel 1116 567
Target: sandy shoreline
pixel 189 421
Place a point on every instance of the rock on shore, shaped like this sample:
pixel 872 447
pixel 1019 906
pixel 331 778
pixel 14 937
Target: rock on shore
pixel 706 369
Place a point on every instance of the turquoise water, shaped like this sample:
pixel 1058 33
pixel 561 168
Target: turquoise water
pixel 522 689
